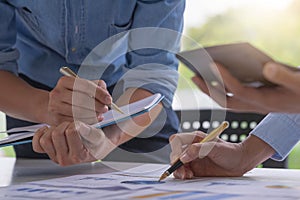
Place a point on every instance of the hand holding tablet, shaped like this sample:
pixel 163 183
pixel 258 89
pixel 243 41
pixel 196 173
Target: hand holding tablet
pixel 258 83
pixel 242 60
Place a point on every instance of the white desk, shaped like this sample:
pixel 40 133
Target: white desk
pixel 14 171
pixel 257 184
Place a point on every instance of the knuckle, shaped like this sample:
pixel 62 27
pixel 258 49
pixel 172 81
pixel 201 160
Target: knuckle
pixel 44 142
pixel 85 85
pixel 62 81
pixel 70 131
pixel 102 83
pixel 54 94
pixel 75 159
pixel 55 134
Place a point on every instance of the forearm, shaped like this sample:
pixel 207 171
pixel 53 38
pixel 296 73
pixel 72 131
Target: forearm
pixel 255 151
pixel 20 100
pixel 122 132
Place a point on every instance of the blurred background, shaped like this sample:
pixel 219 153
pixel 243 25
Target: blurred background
pixel 269 25
pixel 273 26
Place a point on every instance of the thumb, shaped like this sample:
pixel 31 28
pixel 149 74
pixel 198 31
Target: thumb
pixel 281 75
pixel 95 141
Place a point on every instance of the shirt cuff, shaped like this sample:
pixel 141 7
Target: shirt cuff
pixel 280 131
pixel 163 81
pixel 8 61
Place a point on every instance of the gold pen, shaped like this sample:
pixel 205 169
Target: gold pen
pixel 212 135
pixel 68 72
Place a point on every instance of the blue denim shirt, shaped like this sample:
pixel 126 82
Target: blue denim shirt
pixel 38 37
pixel 281 131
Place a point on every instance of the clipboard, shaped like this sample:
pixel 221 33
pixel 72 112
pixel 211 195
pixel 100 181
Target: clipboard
pixel 24 135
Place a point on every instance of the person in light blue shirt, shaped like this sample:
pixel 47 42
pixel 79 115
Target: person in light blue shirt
pixel 93 38
pixel 274 137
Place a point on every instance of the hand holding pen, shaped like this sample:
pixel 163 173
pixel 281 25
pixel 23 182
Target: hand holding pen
pixel 68 72
pixel 191 143
pixel 77 99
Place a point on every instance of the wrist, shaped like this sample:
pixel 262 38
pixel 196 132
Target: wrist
pixel 255 151
pixel 42 101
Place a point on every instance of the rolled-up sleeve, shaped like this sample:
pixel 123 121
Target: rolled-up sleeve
pixel 280 131
pixel 8 54
pixel 153 42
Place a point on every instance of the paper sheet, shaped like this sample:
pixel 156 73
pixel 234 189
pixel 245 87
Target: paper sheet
pixel 109 118
pixel 141 183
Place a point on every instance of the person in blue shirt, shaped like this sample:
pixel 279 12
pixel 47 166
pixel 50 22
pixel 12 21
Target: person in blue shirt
pixel 274 137
pixel 37 38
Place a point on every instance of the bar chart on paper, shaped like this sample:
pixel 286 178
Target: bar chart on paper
pixel 141 183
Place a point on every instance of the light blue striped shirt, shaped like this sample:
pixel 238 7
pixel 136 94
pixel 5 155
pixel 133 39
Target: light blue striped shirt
pixel 280 131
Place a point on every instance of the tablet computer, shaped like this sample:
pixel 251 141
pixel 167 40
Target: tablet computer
pixel 244 61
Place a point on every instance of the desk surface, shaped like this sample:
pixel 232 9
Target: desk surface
pixel 14 172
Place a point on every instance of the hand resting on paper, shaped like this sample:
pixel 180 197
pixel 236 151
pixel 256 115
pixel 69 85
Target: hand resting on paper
pixel 72 143
pixel 282 98
pixel 76 142
pixel 216 158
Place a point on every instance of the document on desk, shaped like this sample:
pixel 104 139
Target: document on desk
pixel 23 135
pixel 141 183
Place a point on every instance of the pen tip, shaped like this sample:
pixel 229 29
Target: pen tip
pixel 163 176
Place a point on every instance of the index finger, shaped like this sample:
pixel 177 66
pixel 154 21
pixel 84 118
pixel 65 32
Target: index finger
pixel 178 142
pixel 92 90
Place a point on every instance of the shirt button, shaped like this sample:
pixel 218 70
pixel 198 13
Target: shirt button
pixel 73 49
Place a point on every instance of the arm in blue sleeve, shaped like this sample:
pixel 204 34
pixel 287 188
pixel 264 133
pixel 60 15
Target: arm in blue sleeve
pixel 8 54
pixel 153 42
pixel 280 131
